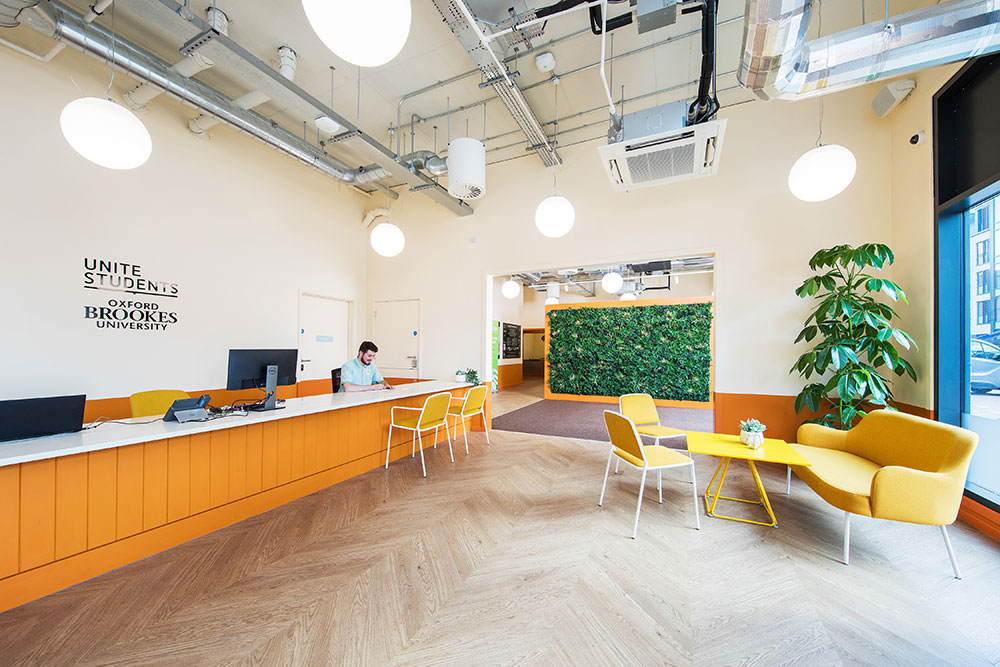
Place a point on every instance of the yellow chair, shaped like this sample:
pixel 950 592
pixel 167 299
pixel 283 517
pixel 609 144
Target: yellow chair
pixel 472 405
pixel 433 415
pixel 890 466
pixel 627 447
pixel 642 411
pixel 156 402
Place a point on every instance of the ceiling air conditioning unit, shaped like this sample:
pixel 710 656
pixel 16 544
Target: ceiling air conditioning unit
pixel 657 149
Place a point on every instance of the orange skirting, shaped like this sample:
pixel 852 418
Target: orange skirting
pixel 71 518
pixel 980 517
pixel 509 375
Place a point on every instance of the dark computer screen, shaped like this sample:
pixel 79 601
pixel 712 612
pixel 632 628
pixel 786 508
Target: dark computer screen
pixel 32 417
pixel 247 367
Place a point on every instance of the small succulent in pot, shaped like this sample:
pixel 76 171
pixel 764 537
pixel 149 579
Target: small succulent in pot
pixel 472 375
pixel 752 432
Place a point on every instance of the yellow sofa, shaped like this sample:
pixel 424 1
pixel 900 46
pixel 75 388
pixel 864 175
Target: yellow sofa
pixel 890 466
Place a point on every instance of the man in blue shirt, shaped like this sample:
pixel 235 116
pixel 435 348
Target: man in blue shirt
pixel 360 374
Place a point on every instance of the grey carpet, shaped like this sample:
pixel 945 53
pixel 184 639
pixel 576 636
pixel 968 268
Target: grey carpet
pixel 575 419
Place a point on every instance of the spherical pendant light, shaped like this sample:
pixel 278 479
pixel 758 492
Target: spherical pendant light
pixel 387 239
pixel 510 289
pixel 105 133
pixel 551 301
pixel 627 296
pixel 612 282
pixel 822 173
pixel 368 33
pixel 554 217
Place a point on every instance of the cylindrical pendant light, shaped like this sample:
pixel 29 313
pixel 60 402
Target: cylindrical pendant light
pixel 466 168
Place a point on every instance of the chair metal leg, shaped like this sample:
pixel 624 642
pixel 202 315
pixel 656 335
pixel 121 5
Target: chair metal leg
pixel 694 493
pixel 659 484
pixel 485 428
pixel 951 552
pixel 388 446
pixel 422 466
pixel 413 445
pixel 465 434
pixel 616 467
pixel 606 471
pixel 847 538
pixel 448 435
pixel 788 481
pixel 638 506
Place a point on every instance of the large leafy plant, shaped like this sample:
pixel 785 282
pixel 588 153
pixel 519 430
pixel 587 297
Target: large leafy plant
pixel 856 342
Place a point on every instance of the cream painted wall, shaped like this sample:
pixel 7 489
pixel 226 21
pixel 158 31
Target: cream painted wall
pixel 505 310
pixel 762 236
pixel 239 227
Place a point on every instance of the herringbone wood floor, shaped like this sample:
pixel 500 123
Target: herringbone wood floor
pixel 505 558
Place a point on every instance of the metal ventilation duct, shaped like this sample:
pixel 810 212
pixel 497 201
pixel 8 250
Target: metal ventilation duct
pixel 497 76
pixel 779 64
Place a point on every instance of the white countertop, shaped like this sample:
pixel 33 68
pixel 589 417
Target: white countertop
pixel 111 435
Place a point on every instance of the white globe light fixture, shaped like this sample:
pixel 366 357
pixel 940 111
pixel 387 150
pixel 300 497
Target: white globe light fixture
pixel 627 296
pixel 387 239
pixel 510 289
pixel 822 173
pixel 554 216
pixel 612 282
pixel 552 301
pixel 105 133
pixel 368 33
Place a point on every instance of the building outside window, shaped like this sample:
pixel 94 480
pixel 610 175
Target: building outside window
pixel 982 282
pixel 983 218
pixel 982 312
pixel 982 252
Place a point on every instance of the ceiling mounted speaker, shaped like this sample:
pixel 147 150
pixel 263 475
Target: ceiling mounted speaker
pixel 466 168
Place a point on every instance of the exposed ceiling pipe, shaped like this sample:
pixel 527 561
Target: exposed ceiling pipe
pixel 58 22
pixel 779 64
pixel 143 94
pixel 428 160
pixel 9 9
pixel 286 56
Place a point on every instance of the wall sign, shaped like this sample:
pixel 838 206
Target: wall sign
pixel 133 308
pixel 511 341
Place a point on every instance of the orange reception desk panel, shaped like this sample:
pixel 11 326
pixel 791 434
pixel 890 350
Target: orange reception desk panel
pixel 77 505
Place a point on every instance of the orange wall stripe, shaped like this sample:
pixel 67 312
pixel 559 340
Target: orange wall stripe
pixel 980 517
pixel 509 375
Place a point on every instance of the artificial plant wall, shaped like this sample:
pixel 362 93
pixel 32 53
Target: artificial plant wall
pixel 662 350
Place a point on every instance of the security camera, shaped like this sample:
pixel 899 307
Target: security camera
pixel 917 139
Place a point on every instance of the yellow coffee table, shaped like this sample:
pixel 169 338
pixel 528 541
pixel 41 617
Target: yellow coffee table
pixel 729 447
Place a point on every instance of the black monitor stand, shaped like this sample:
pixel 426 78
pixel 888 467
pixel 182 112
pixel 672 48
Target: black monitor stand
pixel 270 391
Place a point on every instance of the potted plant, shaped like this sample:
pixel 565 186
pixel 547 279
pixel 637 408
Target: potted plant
pixel 472 375
pixel 854 340
pixel 752 433
pixel 459 375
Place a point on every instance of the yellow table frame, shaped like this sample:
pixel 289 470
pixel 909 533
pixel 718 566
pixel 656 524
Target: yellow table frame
pixel 712 498
pixel 728 447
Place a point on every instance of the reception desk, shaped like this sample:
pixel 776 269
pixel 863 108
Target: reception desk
pixel 77 505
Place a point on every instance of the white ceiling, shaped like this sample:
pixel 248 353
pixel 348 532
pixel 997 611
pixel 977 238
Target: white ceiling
pixel 432 54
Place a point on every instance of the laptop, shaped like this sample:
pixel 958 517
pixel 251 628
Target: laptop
pixel 33 417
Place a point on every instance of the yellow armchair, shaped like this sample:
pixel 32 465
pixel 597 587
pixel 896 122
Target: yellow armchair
pixel 890 466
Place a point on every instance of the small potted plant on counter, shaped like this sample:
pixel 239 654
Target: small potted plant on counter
pixel 472 375
pixel 752 433
pixel 459 375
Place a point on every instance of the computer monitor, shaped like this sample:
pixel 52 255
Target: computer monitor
pixel 248 368
pixel 33 417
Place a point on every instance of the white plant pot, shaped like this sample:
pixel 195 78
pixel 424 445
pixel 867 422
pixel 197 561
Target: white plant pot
pixel 459 377
pixel 752 438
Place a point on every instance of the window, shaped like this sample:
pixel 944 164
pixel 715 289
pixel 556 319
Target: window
pixel 982 282
pixel 982 252
pixel 983 217
pixel 982 312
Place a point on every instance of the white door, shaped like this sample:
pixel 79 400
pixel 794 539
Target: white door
pixel 324 335
pixel 397 334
